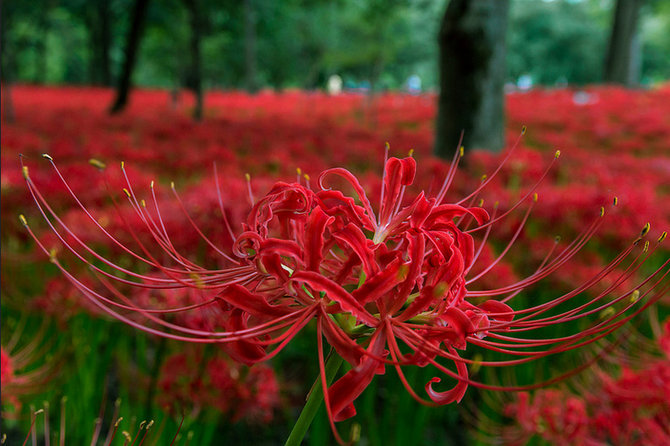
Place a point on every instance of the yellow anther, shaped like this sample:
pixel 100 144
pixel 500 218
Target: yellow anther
pixel 37 412
pixel 97 163
pixel 143 203
pixel 664 234
pixel 3 439
pixel 476 364
pixel 646 246
pixel 151 423
pixel 602 211
pixel 557 154
pixel 355 433
pixel 247 176
pixel 47 156
pixel 172 184
pixel 152 184
pixel 387 146
pixel 25 172
pixel 307 177
pixel 142 424
pixel 484 177
pixel 607 312
pixel 52 254
pixel 410 153
pixel 299 170
pixel 123 165
pixel 118 421
pixel 523 129
pixel 635 295
pixel 481 202
pixel 23 220
pixel 645 230
pixel 535 197
pixel 615 201
pixel 461 151
pixel 126 435
pixel 125 191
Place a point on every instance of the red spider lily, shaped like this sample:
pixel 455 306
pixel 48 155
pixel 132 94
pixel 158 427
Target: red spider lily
pixel 632 408
pixel 187 380
pixel 387 288
pixel 23 372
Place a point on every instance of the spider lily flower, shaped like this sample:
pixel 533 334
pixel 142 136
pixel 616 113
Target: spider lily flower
pixel 23 369
pixel 388 289
pixel 631 407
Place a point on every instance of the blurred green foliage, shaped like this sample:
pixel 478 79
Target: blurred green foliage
pixel 300 43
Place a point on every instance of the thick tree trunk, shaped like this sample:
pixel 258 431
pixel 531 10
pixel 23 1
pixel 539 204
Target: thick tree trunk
pixel 250 80
pixel 132 47
pixel 622 61
pixel 472 76
pixel 194 78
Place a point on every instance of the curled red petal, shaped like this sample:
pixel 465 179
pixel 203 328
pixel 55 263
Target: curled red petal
pixel 316 225
pixel 356 240
pixel 346 389
pixel 501 311
pixel 454 394
pixel 336 293
pixel 398 173
pixel 254 304
pixel 381 283
pixel 351 179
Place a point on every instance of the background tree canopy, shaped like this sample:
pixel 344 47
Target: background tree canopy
pixel 299 43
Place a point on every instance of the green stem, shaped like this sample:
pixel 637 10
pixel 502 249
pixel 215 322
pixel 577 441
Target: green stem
pixel 313 402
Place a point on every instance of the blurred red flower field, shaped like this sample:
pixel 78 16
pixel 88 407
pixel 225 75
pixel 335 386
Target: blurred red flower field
pixel 613 143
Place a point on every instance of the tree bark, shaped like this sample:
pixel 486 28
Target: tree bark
pixel 194 78
pixel 622 62
pixel 250 76
pixel 132 45
pixel 472 76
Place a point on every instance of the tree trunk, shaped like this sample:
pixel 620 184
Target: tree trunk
pixel 472 76
pixel 250 80
pixel 194 78
pixel 622 61
pixel 132 46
